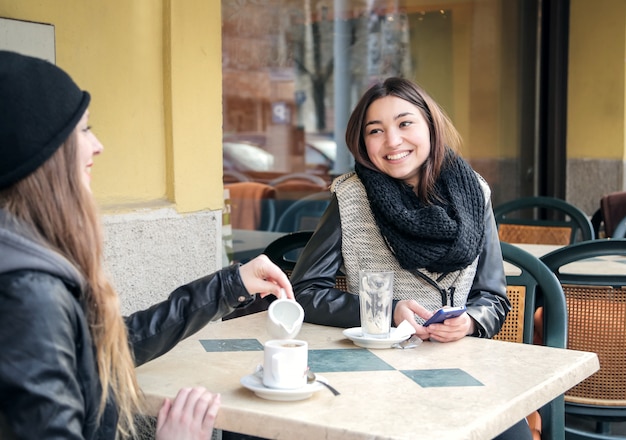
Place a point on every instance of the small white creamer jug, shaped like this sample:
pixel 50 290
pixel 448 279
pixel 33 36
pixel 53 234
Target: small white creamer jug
pixel 284 318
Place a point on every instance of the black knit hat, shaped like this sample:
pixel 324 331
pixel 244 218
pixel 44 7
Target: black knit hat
pixel 40 105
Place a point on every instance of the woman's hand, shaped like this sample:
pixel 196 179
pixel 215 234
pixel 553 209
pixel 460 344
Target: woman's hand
pixel 406 309
pixel 262 276
pixel 190 416
pixel 450 330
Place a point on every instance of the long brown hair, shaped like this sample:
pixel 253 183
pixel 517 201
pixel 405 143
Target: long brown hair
pixel 54 202
pixel 443 136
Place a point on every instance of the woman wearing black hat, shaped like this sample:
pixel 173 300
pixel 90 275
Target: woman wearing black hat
pixel 67 356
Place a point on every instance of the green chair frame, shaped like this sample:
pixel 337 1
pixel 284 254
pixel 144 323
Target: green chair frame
pixel 285 251
pixel 539 280
pixel 602 414
pixel 546 212
pixel 578 434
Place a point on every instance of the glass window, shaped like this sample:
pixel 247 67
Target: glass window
pixel 293 70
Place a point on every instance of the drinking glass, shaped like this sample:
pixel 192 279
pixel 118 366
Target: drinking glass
pixel 376 297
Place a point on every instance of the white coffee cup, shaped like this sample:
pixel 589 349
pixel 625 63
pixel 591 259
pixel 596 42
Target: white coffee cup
pixel 284 318
pixel 285 363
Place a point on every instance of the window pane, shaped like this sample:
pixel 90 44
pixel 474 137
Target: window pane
pixel 293 70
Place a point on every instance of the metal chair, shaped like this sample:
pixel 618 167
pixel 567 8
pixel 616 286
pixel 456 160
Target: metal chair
pixel 578 434
pixel 533 278
pixel 285 250
pixel 303 214
pixel 542 220
pixel 596 302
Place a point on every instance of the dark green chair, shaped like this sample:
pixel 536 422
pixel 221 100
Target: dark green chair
pixel 593 277
pixel 578 434
pixel 542 220
pixel 532 279
pixel 285 250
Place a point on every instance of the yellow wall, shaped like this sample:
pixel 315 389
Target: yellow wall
pixel 596 92
pixel 153 69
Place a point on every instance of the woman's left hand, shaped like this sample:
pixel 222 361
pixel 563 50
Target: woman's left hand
pixel 190 416
pixel 451 329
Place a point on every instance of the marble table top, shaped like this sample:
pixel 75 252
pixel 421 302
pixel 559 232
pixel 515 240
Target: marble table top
pixel 469 389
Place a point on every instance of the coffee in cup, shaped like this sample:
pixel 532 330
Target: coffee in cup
pixel 285 363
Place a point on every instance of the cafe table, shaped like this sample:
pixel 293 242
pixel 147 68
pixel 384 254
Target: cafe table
pixel 469 389
pixel 600 265
pixel 538 250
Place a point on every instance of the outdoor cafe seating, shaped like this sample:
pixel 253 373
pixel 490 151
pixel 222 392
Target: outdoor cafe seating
pixel 596 304
pixel 546 220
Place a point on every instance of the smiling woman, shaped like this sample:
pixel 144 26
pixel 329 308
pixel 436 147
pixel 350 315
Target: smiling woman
pixel 415 207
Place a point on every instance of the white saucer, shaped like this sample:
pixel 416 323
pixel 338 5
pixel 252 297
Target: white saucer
pixel 396 335
pixel 255 384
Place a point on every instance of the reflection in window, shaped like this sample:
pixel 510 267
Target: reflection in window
pixel 293 70
pixel 279 68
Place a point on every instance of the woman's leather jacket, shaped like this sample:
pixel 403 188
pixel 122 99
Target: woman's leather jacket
pixel 49 386
pixel 313 279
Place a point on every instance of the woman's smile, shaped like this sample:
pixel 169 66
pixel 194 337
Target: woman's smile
pixel 398 156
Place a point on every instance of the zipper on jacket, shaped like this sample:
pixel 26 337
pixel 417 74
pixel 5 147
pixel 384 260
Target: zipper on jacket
pixel 447 295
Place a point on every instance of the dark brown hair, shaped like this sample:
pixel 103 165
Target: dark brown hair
pixel 443 136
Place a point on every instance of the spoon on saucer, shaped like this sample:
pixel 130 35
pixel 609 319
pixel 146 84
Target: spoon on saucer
pixel 310 378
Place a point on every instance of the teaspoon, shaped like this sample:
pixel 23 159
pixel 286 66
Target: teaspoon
pixel 310 378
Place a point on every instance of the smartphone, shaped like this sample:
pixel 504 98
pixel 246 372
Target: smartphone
pixel 445 313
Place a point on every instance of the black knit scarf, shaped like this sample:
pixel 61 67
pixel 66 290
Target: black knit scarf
pixel 443 237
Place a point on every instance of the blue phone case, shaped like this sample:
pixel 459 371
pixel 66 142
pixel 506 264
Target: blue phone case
pixel 443 314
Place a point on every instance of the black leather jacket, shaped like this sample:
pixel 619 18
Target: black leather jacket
pixel 49 386
pixel 313 279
